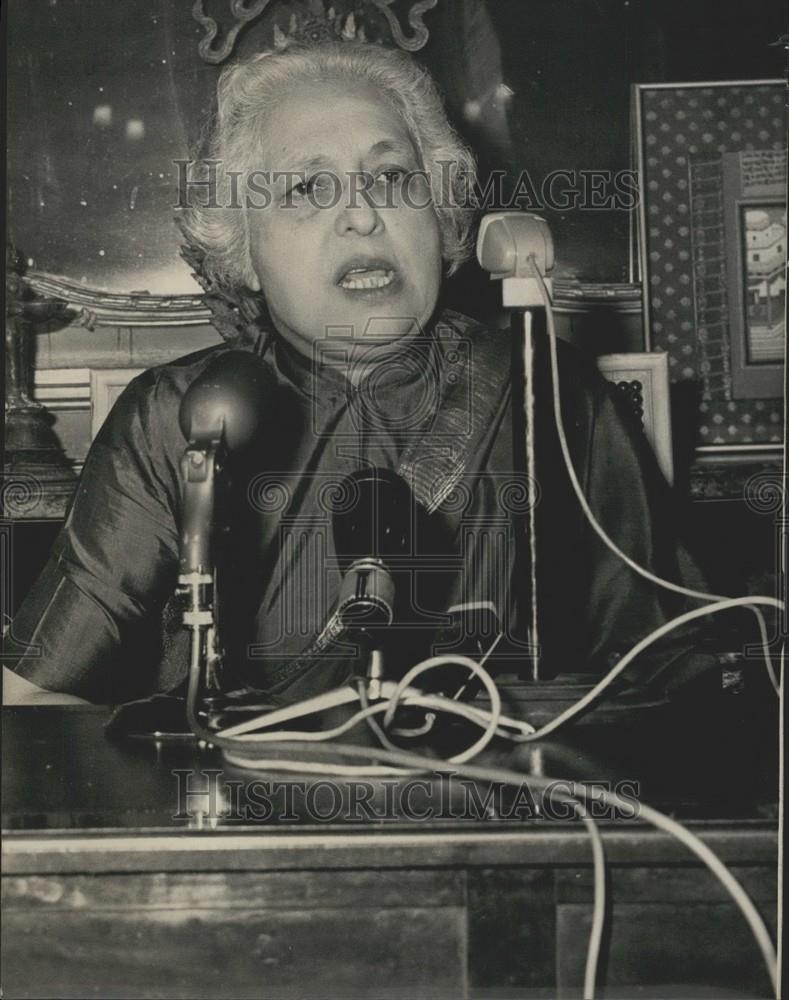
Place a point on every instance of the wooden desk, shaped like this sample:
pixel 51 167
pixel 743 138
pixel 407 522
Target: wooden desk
pixel 107 894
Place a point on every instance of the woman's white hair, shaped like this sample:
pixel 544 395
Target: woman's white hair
pixel 246 93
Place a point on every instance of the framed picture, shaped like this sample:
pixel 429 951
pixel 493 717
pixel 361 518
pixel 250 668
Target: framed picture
pixel 643 379
pixel 755 227
pixel 711 249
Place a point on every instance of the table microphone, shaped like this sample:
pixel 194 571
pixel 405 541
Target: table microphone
pixel 372 526
pixel 372 534
pixel 222 413
pixel 234 394
pixel 224 409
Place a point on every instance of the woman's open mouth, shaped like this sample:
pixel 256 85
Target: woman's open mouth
pixel 364 279
pixel 369 275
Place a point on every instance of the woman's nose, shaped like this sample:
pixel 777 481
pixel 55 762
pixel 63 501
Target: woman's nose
pixel 358 213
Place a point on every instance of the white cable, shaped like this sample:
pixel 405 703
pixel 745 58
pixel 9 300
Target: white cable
pixel 493 720
pixel 316 767
pixel 310 736
pixel 590 696
pixel 598 854
pixel 480 717
pixel 730 883
pixel 474 714
pixel 690 840
pixel 309 706
pixel 652 816
pixel 432 663
pixel 423 730
pixel 598 909
pixel 476 669
pixel 600 531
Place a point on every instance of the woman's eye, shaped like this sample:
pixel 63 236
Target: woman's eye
pixel 303 188
pixel 309 187
pixel 392 175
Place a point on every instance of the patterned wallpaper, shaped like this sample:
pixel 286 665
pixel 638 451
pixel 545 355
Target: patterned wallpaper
pixel 685 132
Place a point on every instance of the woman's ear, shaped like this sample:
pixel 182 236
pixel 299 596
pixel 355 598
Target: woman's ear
pixel 254 281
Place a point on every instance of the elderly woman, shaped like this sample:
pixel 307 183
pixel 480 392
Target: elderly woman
pixel 342 199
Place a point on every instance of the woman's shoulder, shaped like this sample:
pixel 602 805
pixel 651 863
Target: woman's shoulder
pixel 492 345
pixel 162 386
pixel 145 417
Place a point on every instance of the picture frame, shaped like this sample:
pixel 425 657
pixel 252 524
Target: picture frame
pixel 755 226
pixel 707 154
pixel 643 378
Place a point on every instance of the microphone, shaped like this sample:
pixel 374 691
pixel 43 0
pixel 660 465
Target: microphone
pixel 370 533
pixel 224 409
pixel 221 413
pixel 233 395
pixel 372 528
pixel 505 243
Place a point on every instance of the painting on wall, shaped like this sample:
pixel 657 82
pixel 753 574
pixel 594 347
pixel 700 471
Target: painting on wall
pixel 712 249
pixel 755 234
pixel 763 230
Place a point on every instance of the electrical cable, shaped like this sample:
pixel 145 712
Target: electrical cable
pixel 598 908
pixel 657 819
pixel 592 695
pixel 430 720
pixel 600 531
pixel 652 816
pixel 395 760
pixel 577 707
pixel 383 739
pixel 479 717
pixel 478 671
pixel 414 762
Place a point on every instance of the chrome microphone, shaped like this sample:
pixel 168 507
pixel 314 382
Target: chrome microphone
pixel 372 535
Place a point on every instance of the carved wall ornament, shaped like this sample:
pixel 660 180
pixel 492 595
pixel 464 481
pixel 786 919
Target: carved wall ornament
pixel 313 21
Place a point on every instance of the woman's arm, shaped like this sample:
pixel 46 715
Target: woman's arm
pixel 638 510
pixel 20 691
pixel 90 627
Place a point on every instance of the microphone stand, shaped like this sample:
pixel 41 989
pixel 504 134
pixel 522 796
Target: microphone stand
pixel 509 245
pixel 220 414
pixel 365 606
pixel 202 466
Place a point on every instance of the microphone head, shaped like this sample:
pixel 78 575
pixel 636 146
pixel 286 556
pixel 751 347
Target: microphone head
pixel 375 517
pixel 234 394
pixel 367 597
pixel 506 240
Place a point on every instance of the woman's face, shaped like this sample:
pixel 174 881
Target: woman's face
pixel 330 260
